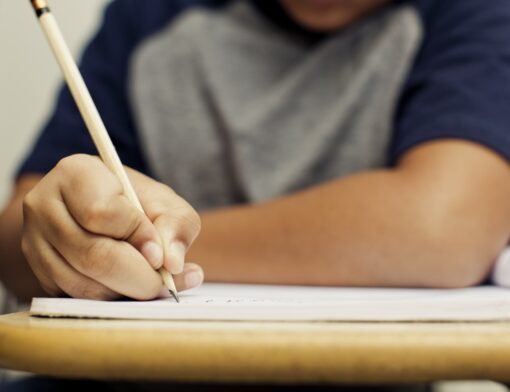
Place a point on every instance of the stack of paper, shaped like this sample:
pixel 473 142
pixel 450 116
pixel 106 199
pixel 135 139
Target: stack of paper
pixel 290 303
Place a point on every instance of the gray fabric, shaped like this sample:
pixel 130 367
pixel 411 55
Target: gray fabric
pixel 231 108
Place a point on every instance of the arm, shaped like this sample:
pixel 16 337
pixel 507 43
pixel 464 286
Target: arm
pixel 15 272
pixel 104 66
pixel 438 219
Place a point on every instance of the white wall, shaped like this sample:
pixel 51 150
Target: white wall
pixel 29 76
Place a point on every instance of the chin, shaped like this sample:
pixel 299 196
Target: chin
pixel 322 25
pixel 328 15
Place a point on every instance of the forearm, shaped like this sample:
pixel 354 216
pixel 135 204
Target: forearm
pixel 375 229
pixel 15 273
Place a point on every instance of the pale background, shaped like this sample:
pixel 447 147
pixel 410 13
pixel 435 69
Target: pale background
pixel 29 76
pixel 29 79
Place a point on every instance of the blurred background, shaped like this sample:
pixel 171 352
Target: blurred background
pixel 29 76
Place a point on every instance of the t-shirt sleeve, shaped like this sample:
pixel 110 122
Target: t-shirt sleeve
pixel 460 84
pixel 104 67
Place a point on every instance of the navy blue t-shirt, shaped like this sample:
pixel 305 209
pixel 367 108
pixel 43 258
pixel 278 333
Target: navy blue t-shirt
pixel 458 86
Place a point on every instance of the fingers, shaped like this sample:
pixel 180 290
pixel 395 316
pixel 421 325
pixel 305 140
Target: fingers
pixel 89 241
pixel 192 276
pixel 112 263
pixel 34 259
pixel 175 240
pixel 115 264
pixel 105 210
pixel 57 278
pixel 176 221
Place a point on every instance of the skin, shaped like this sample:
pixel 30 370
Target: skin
pixel 330 15
pixel 71 226
pixel 437 219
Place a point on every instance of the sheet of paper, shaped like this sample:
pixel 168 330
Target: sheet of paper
pixel 289 303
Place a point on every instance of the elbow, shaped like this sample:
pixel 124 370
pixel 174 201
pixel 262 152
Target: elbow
pixel 453 270
pixel 457 257
pixel 459 275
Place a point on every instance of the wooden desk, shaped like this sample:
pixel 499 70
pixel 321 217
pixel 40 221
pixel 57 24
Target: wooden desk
pixel 261 352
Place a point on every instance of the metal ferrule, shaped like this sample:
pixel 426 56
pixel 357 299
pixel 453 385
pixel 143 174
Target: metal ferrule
pixel 40 6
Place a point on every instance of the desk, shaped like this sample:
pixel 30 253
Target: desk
pixel 261 352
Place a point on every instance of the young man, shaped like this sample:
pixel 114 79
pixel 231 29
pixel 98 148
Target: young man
pixel 323 142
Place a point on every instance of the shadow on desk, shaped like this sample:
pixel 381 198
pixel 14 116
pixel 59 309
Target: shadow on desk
pixel 46 384
pixel 37 384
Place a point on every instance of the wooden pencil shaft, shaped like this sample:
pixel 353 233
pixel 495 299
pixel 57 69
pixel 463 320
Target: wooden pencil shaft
pixel 86 105
pixel 91 116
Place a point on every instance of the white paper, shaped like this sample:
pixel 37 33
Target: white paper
pixel 290 303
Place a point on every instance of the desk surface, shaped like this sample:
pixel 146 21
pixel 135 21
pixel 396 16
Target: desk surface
pixel 261 352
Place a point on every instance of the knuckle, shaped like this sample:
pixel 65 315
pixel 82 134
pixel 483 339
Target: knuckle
pixel 190 221
pixel 183 222
pixel 98 259
pixel 29 204
pixel 77 162
pixel 197 221
pixel 164 188
pixel 158 197
pixel 95 214
pixel 134 221
pixel 155 206
pixel 80 172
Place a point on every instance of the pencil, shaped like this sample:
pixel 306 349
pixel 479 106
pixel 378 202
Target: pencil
pixel 89 112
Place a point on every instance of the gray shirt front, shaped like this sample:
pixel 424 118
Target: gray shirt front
pixel 233 109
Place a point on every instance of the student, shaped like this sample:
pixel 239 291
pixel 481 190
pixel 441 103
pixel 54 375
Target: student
pixel 323 142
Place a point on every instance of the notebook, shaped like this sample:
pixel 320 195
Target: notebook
pixel 290 303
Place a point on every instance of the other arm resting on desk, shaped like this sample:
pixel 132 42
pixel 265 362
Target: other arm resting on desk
pixel 15 272
pixel 438 219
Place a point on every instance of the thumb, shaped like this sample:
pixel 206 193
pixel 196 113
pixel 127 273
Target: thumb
pixel 191 276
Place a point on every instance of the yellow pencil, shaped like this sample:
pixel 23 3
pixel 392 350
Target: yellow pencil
pixel 89 111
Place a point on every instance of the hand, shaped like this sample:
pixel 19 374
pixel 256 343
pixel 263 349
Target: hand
pixel 83 238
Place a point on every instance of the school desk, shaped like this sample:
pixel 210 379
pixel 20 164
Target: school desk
pixel 256 352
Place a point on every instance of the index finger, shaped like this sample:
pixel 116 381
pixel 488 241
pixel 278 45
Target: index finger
pixel 95 199
pixel 114 263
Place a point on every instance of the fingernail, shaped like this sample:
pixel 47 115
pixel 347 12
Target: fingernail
pixel 176 254
pixel 153 253
pixel 193 279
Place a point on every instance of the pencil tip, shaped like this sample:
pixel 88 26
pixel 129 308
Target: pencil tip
pixel 174 294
